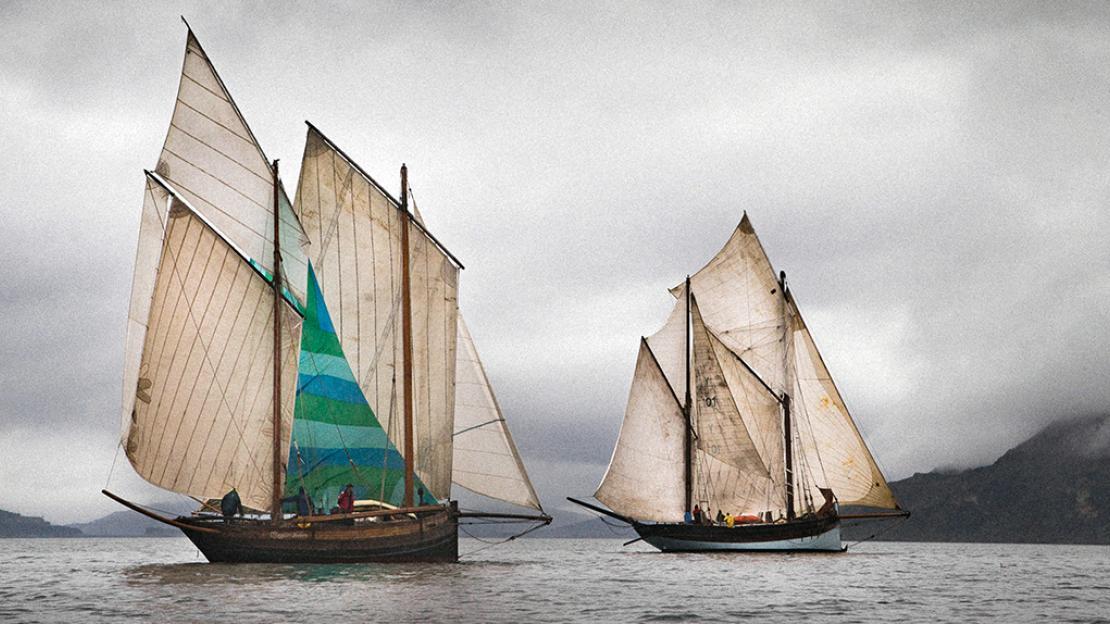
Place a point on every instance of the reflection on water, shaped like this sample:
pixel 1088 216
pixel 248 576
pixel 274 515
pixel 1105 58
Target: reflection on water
pixel 538 580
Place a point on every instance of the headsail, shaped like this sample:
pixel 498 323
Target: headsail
pixel 336 437
pixel 213 160
pixel 354 227
pixel 201 421
pixel 645 478
pixel 486 460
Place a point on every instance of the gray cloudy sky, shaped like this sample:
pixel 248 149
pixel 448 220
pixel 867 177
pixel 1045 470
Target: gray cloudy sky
pixel 932 177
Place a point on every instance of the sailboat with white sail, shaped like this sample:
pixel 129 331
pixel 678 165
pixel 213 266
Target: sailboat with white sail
pixel 733 409
pixel 287 351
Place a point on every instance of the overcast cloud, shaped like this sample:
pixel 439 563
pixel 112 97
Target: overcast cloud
pixel 933 178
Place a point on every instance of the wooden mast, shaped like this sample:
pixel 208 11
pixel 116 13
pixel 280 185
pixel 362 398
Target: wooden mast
pixel 275 499
pixel 406 334
pixel 687 448
pixel 786 425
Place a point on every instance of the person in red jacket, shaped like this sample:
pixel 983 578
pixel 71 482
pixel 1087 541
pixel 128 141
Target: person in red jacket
pixel 347 499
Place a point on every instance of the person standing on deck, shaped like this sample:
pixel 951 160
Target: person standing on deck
pixel 230 505
pixel 347 500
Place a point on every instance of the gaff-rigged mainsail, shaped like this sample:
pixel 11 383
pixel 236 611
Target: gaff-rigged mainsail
pixel 202 402
pixel 336 437
pixel 355 230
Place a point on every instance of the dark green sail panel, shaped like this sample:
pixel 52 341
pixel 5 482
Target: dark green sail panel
pixel 336 438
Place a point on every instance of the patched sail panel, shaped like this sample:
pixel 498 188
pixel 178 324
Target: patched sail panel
pixel 646 475
pixel 202 421
pixel 741 302
pixel 835 452
pixel 355 233
pixel 336 437
pixel 213 160
pixel 486 460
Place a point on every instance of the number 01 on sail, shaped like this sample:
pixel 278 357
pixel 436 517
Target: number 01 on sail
pixel 306 363
pixel 735 436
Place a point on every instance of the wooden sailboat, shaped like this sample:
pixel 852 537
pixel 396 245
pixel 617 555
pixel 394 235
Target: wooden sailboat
pixel 732 410
pixel 285 351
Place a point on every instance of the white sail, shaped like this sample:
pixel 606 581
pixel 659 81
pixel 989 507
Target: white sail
pixel 669 344
pixel 731 473
pixel 152 231
pixel 212 159
pixel 202 418
pixel 646 475
pixel 486 460
pixel 741 302
pixel 354 228
pixel 834 451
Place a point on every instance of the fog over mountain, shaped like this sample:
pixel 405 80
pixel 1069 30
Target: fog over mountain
pixel 932 178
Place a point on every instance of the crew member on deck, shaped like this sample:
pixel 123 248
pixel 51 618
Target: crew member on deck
pixel 697 514
pixel 304 505
pixel 347 499
pixel 230 505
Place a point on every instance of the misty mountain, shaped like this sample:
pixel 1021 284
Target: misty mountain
pixel 1053 488
pixel 16 525
pixel 127 523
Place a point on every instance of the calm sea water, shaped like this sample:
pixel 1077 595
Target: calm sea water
pixel 550 580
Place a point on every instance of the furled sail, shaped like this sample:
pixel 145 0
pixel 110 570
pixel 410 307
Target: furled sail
pixel 212 159
pixel 741 301
pixel 202 417
pixel 354 228
pixel 834 450
pixel 646 475
pixel 336 437
pixel 486 460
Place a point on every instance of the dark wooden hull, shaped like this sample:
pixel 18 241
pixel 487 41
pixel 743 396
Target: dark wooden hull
pixel 431 537
pixel 806 535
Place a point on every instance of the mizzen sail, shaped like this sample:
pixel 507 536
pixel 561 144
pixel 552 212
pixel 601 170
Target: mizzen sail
pixel 486 460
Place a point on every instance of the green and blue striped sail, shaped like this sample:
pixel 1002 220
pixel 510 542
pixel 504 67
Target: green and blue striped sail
pixel 336 438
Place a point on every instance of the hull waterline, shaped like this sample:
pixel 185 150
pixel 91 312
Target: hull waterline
pixel 815 535
pixel 426 538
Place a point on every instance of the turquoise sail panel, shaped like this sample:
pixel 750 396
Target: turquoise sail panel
pixel 336 438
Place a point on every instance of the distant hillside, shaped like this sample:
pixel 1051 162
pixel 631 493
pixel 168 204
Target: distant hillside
pixel 1053 488
pixel 15 525
pixel 127 523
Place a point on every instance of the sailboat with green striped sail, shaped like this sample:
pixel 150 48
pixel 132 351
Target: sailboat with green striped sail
pixel 280 354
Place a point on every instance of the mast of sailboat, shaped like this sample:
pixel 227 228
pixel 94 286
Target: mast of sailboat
pixel 687 447
pixel 275 499
pixel 406 333
pixel 788 437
